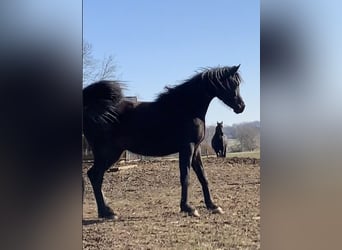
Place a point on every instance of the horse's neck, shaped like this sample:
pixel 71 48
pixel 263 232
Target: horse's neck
pixel 198 102
pixel 203 107
pixel 218 135
pixel 192 103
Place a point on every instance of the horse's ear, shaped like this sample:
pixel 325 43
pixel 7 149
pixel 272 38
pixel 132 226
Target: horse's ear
pixel 236 68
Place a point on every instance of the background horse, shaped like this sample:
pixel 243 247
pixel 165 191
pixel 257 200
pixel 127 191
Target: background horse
pixel 219 141
pixel 112 124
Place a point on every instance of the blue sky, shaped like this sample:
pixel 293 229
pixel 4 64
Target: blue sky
pixel 159 43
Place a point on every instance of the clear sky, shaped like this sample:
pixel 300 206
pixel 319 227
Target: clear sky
pixel 159 43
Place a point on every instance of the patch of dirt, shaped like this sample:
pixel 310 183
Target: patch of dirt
pixel 147 198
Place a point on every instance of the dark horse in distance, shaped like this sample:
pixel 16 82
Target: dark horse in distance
pixel 219 141
pixel 174 122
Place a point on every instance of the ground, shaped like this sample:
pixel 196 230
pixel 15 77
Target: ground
pixel 147 197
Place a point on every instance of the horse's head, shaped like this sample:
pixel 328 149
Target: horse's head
pixel 219 128
pixel 226 86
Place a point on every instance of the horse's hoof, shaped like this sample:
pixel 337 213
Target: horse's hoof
pixel 109 216
pixel 108 213
pixel 195 213
pixel 218 210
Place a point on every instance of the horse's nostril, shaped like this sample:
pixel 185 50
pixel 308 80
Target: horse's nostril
pixel 240 107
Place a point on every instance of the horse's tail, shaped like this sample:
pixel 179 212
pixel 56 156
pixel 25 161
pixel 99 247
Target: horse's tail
pixel 100 105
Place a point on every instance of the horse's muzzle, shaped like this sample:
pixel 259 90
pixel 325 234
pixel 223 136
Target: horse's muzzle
pixel 240 108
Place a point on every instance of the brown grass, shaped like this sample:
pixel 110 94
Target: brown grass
pixel 147 201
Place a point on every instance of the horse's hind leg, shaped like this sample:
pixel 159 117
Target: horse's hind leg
pixel 95 174
pixel 197 166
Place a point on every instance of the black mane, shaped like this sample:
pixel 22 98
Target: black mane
pixel 212 75
pixel 217 74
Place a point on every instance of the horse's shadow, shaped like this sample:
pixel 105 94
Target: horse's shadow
pixel 86 222
pixel 91 221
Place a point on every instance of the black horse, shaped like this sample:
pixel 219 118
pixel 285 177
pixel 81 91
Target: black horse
pixel 219 141
pixel 174 122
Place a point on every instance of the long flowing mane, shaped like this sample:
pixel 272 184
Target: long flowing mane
pixel 212 75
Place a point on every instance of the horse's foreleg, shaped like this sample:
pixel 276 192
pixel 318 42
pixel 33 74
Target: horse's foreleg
pixel 185 157
pixel 197 166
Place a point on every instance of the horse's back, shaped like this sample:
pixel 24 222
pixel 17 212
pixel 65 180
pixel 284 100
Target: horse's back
pixel 145 128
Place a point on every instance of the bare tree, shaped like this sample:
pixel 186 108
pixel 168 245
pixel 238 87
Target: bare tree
pixel 247 136
pixel 88 62
pixel 107 68
pixel 94 69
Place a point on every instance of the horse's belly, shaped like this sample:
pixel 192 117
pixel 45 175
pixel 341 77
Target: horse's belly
pixel 153 146
pixel 153 150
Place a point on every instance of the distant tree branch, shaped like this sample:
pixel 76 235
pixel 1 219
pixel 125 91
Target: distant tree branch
pixel 96 70
pixel 107 69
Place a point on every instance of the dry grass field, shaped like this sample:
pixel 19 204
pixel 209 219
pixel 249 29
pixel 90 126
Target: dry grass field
pixel 147 197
